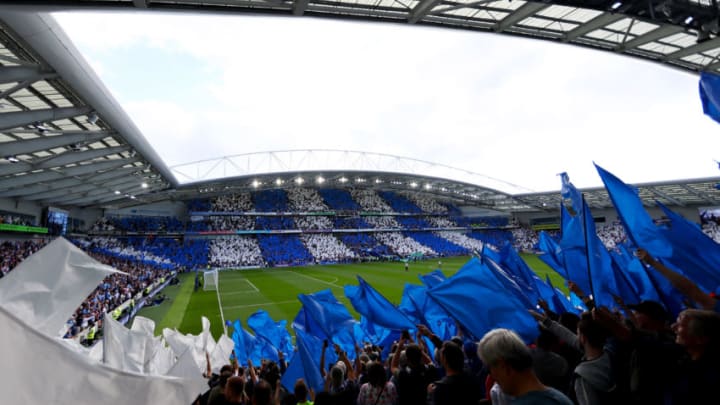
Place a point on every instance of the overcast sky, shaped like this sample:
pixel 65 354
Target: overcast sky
pixel 204 86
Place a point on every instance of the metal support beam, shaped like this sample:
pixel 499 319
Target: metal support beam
pixel 665 196
pixel 49 175
pixel 690 50
pixel 662 31
pixel 76 157
pixel 603 20
pixel 69 182
pixel 299 7
pixel 423 8
pixel 49 142
pixel 12 74
pixel 17 119
pixel 58 193
pixel 710 200
pixel 523 12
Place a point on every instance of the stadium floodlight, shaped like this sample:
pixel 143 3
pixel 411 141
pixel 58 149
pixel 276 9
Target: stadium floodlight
pixel 413 184
pixel 256 184
pixel 320 180
pixel 299 180
pixel 278 181
pixel 144 185
pixel 428 186
pixel 12 159
pixel 616 5
pixel 378 181
pixel 117 192
pixel 689 20
pixel 343 180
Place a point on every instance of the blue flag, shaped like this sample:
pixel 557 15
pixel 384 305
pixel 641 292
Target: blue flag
pixel 430 313
pixel 709 86
pixel 476 298
pixel 258 348
pixel 433 278
pixel 569 192
pixel 304 364
pixel 329 315
pixel 275 333
pixel 695 254
pixel 551 254
pixel 638 224
pixel 239 338
pixel 574 251
pixel 373 305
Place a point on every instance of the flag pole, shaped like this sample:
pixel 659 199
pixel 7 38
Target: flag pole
pixel 587 250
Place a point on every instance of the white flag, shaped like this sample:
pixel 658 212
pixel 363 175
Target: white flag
pixel 46 288
pixel 38 369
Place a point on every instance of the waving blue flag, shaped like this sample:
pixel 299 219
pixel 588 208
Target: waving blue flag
pixel 433 278
pixel 551 254
pixel 304 364
pixel 273 332
pixel 329 315
pixel 638 224
pixel 476 298
pixel 258 348
pixel 373 305
pixel 710 94
pixel 238 337
pixel 431 314
pixel 574 250
pixel 569 192
pixel 695 254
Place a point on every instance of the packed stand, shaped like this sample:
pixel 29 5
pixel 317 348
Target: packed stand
pixel 241 202
pixel 439 245
pixel 14 252
pixel 712 230
pixel 441 222
pixel 426 204
pixel 382 222
pixel 231 223
pixel 369 200
pixel 365 245
pixel 168 253
pixel 482 222
pixel 237 251
pixel 460 239
pixel 492 237
pixel 612 235
pixel 140 224
pixel 524 239
pixel 284 250
pixel 403 245
pixel 350 223
pixel 412 222
pixel 274 200
pixel 273 223
pixel 308 200
pixel 399 203
pixel 339 200
pixel 326 248
pixel 17 219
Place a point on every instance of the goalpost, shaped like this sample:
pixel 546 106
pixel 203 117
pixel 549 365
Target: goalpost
pixel 210 280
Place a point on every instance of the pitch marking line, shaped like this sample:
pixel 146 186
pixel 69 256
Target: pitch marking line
pixel 260 305
pixel 314 279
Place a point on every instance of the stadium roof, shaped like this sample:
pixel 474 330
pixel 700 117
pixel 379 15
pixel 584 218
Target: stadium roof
pixel 65 141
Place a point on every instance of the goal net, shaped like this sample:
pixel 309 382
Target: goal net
pixel 210 280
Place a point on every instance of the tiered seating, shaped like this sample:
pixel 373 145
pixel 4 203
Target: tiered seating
pixel 403 245
pixel 339 200
pixel 426 204
pixel 412 222
pixel 274 200
pixel 364 245
pixel 400 203
pixel 495 238
pixel 237 251
pixel 232 223
pixel 471 244
pixel 140 224
pixel 325 248
pixel 14 252
pixel 441 222
pixel 308 200
pixel 350 223
pixel 441 246
pixel 284 250
pixel 240 202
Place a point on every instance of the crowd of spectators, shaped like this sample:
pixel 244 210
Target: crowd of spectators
pixel 712 230
pixel 413 222
pixel 441 222
pixel 17 219
pixel 525 239
pixel 369 200
pixel 241 202
pixel 612 234
pixel 461 239
pixel 326 248
pixel 438 244
pixel 339 200
pixel 284 250
pixel 426 204
pixel 402 245
pixel 14 252
pixel 365 245
pixel 399 203
pixel 237 251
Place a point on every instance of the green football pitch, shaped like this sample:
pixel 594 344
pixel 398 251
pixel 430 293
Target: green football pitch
pixel 242 292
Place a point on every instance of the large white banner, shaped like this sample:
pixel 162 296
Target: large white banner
pixel 38 369
pixel 47 287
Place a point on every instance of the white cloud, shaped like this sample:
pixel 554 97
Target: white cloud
pixel 514 109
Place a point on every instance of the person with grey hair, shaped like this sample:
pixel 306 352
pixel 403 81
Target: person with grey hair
pixel 510 364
